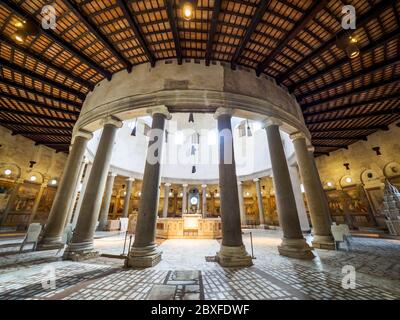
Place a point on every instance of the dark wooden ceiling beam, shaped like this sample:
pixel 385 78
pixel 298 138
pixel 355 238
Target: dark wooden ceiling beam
pixel 23 14
pixel 39 93
pixel 38 77
pixel 394 96
pixel 47 143
pixel 308 16
pixel 256 19
pixel 38 104
pixel 32 125
pixel 75 8
pixel 174 28
pixel 355 128
pixel 345 60
pixel 375 11
pixel 29 52
pixel 338 146
pixel 136 30
pixel 385 112
pixel 364 138
pixel 35 115
pixel 35 133
pixel 213 29
pixel 363 72
pixel 361 89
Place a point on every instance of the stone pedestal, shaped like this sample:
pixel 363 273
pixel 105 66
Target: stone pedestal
pixel 316 199
pixel 51 238
pixel 144 252
pixel 105 208
pixel 293 244
pixel 82 239
pixel 232 252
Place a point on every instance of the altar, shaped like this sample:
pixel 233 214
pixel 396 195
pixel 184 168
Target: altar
pixel 189 226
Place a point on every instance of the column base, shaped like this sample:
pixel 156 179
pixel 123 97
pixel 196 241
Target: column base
pixel 54 243
pixel 80 251
pixel 102 227
pixel 323 242
pixel 143 257
pixel 295 248
pixel 262 226
pixel 233 257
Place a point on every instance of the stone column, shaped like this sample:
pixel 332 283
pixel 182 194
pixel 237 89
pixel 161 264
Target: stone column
pixel 105 208
pixel 166 198
pixel 298 196
pixel 204 200
pixel 184 198
pixel 144 252
pixel 241 204
pixel 75 195
pixel 127 197
pixel 260 203
pixel 293 244
pixel 232 252
pixel 81 193
pixel 51 238
pixel 39 195
pixel 316 199
pixel 81 245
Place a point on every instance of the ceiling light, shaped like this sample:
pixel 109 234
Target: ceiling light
pixel 188 8
pixel 349 180
pixel 20 36
pixel 25 29
pixel 139 193
pixel 217 194
pixel 329 184
pixel 53 182
pixel 352 51
pixel 33 178
pixel 7 172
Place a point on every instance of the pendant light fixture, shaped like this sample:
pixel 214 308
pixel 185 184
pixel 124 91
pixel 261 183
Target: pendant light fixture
pixel 133 133
pixel 25 28
pixel 193 169
pixel 348 44
pixel 191 118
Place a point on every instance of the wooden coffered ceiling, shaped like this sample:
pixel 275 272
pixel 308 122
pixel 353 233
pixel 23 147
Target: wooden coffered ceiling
pixel 43 82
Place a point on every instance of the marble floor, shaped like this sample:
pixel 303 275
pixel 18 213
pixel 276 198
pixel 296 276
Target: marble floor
pixel 185 273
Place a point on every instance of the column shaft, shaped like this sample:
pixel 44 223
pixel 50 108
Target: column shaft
pixel 260 203
pixel 81 245
pixel 204 200
pixel 81 193
pixel 75 194
pixel 35 207
pixel 184 198
pixel 105 208
pixel 293 243
pixel 127 198
pixel 232 252
pixel 241 204
pixel 144 252
pixel 166 198
pixel 51 238
pixel 316 199
pixel 298 196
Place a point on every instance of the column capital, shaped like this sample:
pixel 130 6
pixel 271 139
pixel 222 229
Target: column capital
pixel 271 121
pixel 311 149
pixel 161 110
pixel 256 180
pixel 204 186
pixel 221 111
pixel 297 135
pixel 167 184
pixel 112 174
pixel 185 185
pixel 112 120
pixel 130 179
pixel 239 183
pixel 84 134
